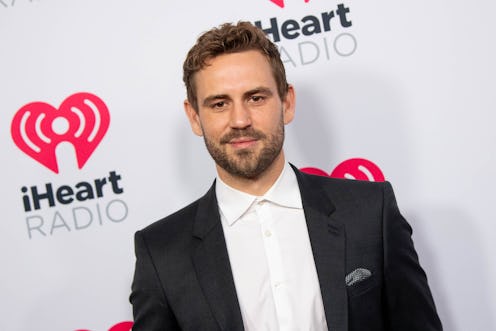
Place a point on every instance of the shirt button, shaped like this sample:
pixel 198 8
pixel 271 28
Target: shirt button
pixel 268 233
pixel 277 284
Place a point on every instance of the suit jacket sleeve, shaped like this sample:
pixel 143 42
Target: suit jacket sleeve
pixel 410 305
pixel 150 308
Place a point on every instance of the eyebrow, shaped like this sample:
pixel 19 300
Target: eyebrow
pixel 259 89
pixel 212 98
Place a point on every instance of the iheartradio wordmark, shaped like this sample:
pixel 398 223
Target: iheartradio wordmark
pixel 356 168
pixel 82 120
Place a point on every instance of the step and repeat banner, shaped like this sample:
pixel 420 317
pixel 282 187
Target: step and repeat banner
pixel 95 144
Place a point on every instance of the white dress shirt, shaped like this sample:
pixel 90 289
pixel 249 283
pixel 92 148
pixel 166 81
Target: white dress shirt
pixel 271 257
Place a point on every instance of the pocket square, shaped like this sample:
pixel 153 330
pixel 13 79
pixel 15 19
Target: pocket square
pixel 357 276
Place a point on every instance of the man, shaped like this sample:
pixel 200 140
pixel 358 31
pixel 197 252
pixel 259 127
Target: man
pixel 268 247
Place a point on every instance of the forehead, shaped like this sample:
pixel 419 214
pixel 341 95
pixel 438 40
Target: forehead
pixel 234 73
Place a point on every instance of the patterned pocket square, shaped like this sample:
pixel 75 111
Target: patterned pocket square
pixel 357 276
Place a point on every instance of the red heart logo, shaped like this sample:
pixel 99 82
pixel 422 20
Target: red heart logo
pixel 356 168
pixel 82 120
pixel 280 3
pixel 122 326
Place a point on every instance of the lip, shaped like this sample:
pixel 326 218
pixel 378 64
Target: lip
pixel 243 142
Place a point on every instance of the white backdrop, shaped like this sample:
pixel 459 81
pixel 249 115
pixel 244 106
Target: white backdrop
pixel 408 86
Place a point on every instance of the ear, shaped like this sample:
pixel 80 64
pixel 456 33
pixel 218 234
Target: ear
pixel 194 118
pixel 288 105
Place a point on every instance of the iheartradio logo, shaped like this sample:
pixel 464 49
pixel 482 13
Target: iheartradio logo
pixel 356 168
pixel 280 3
pixel 82 120
pixel 123 326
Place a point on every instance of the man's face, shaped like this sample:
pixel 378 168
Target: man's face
pixel 240 115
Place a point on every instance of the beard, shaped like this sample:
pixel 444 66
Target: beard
pixel 247 163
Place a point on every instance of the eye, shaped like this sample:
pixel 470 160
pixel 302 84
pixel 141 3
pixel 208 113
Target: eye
pixel 218 105
pixel 257 99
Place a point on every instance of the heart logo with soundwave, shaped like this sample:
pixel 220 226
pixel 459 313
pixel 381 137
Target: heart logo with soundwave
pixel 82 120
pixel 356 168
pixel 123 326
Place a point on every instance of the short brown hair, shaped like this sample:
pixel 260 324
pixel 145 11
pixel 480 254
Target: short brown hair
pixel 231 38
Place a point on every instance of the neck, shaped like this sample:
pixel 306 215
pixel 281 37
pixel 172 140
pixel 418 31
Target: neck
pixel 255 186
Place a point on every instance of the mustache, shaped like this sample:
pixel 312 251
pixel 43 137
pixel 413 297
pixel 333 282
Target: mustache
pixel 242 133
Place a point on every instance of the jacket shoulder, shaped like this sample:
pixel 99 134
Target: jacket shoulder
pixel 177 228
pixel 338 188
pixel 173 222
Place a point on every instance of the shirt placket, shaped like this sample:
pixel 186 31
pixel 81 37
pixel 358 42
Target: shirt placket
pixel 277 273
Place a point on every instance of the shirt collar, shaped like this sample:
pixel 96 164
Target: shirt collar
pixel 234 203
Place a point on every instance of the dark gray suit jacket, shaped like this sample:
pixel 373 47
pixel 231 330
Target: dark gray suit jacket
pixel 183 278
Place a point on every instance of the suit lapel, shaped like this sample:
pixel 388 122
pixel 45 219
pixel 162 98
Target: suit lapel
pixel 211 262
pixel 327 237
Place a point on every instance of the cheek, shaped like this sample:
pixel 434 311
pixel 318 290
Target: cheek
pixel 271 122
pixel 212 129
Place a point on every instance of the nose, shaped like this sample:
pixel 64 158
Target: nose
pixel 240 117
